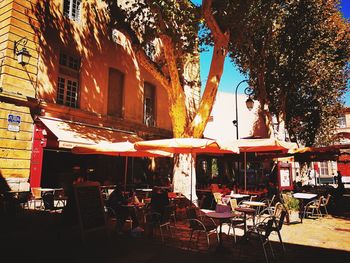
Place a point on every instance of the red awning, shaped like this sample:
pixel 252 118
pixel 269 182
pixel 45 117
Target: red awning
pixel 70 134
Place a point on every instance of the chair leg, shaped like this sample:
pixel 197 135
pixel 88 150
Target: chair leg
pixel 208 240
pixel 280 238
pixel 190 238
pixel 263 246
pixel 272 252
pixel 161 233
pixel 234 235
pixel 325 209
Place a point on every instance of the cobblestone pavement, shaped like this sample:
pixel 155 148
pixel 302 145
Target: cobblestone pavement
pixel 39 237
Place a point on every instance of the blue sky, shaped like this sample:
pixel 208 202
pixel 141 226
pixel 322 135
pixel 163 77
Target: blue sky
pixel 231 76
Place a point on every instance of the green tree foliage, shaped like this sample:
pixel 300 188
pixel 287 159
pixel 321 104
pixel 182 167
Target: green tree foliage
pixel 296 54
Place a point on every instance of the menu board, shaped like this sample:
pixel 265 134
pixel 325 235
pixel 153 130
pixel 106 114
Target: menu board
pixel 90 207
pixel 285 176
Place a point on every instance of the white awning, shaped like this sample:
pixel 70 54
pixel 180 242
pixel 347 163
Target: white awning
pixel 70 134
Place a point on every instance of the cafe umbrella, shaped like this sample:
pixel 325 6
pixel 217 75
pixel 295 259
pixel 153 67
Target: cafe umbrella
pixel 266 145
pixel 190 146
pixel 125 149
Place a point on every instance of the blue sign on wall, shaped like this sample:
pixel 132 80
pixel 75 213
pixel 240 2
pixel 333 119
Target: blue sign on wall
pixel 14 119
pixel 13 122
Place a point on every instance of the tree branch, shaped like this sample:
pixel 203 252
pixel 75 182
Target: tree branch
pixel 211 22
pixel 221 40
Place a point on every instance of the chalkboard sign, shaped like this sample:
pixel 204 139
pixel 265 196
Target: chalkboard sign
pixel 90 207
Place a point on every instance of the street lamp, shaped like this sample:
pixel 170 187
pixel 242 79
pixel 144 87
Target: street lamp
pixel 249 103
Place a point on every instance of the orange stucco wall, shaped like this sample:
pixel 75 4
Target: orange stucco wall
pixel 91 40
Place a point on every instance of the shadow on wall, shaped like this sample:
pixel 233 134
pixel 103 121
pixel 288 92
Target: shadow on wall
pixel 89 39
pixel 55 32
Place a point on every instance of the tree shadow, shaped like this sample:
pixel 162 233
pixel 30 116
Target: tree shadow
pixel 90 39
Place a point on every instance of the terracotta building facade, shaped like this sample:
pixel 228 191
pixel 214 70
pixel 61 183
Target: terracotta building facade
pixel 82 85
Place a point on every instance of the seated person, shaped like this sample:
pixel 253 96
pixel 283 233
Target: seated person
pixel 117 202
pixel 225 190
pixel 159 200
pixel 70 210
pixel 272 190
pixel 214 188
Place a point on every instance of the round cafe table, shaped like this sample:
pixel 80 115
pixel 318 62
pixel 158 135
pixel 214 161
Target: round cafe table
pixel 221 217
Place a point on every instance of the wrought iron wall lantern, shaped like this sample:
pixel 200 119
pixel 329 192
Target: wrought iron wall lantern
pixel 20 50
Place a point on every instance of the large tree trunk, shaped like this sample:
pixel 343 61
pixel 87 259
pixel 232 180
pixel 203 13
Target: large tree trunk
pixel 184 178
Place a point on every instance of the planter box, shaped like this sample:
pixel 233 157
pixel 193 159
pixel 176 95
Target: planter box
pixel 293 217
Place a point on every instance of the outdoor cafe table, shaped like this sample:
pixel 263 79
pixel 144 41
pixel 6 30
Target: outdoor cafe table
pixel 221 217
pixel 237 196
pixel 144 190
pixel 302 197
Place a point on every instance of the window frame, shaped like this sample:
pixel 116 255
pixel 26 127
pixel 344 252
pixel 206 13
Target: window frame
pixel 68 73
pixel 122 100
pixel 324 168
pixel 149 121
pixel 342 122
pixel 69 14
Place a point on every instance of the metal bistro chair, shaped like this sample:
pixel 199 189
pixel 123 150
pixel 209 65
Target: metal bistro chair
pixel 261 233
pixel 161 221
pixel 325 202
pixel 49 202
pixel 36 198
pixel 237 221
pixel 312 207
pixel 60 198
pixel 279 217
pixel 165 220
pixel 218 198
pixel 200 226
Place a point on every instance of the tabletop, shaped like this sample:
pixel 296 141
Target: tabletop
pixel 144 189
pixel 247 210
pixel 217 215
pixel 304 195
pixel 237 195
pixel 47 189
pixel 130 205
pixel 254 203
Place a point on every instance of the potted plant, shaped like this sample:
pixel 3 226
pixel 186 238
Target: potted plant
pixel 292 205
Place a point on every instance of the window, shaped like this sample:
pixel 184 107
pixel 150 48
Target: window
pixel 71 9
pixel 324 169
pixel 68 80
pixel 115 93
pixel 342 122
pixel 148 104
